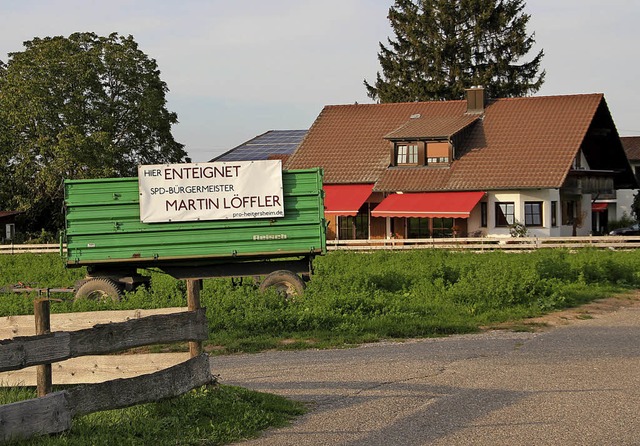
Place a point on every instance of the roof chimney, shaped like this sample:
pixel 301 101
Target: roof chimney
pixel 475 100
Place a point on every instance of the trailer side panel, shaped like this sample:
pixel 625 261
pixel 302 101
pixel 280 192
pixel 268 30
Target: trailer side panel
pixel 103 227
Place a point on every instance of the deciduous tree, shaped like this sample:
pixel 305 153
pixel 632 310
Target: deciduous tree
pixel 82 106
pixel 442 47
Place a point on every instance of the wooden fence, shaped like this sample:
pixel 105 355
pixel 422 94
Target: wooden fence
pixel 468 243
pixel 36 248
pixel 488 243
pixel 53 412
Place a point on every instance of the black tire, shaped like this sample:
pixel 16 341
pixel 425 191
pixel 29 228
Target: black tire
pixel 100 288
pixel 79 283
pixel 286 283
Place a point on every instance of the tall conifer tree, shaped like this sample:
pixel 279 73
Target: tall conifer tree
pixel 442 47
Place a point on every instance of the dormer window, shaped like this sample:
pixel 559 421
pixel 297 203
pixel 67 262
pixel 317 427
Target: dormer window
pixel 430 141
pixel 407 154
pixel 421 153
pixel 437 153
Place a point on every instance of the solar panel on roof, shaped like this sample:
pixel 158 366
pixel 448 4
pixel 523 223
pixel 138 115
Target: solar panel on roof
pixel 273 142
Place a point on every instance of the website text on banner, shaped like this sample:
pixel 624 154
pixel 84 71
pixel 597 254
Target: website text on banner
pixel 211 191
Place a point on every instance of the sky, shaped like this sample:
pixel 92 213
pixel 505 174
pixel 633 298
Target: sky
pixel 237 69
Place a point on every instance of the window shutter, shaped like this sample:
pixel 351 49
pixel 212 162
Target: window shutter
pixel 393 154
pixel 422 149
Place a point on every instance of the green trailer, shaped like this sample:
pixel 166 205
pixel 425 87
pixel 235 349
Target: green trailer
pixel 104 233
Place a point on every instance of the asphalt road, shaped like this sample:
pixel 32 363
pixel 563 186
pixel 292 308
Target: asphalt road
pixel 577 384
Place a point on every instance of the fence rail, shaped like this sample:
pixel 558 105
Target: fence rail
pixel 473 243
pixel 488 243
pixel 35 248
pixel 28 351
pixel 54 412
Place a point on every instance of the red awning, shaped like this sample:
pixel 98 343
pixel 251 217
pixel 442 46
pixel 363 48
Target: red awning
pixel 599 207
pixel 428 204
pixel 345 199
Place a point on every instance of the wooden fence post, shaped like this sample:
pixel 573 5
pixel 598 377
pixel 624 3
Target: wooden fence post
pixel 42 313
pixel 193 304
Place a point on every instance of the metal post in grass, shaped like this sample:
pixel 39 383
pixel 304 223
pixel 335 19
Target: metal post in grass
pixel 42 313
pixel 193 304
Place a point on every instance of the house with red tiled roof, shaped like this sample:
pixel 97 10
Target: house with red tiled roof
pixel 472 167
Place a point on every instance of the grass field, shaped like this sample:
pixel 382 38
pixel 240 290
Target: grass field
pixel 352 298
pixel 212 415
pixel 356 297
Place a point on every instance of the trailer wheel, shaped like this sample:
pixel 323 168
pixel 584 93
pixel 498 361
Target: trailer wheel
pixel 286 283
pixel 100 288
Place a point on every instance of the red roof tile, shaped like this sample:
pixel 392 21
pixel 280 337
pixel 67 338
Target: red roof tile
pixel 631 146
pixel 517 143
pixel 347 140
pixel 436 127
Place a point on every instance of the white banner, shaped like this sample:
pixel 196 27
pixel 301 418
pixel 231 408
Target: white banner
pixel 211 191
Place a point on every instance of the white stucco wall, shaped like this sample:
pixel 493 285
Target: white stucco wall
pixel 519 197
pixel 585 228
pixel 624 200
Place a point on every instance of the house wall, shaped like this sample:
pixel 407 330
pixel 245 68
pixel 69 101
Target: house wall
pixel 585 227
pixel 377 228
pixel 519 197
pixel 398 227
pixel 332 226
pixel 377 225
pixel 621 206
pixel 624 200
pixel 380 227
pixel 474 228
